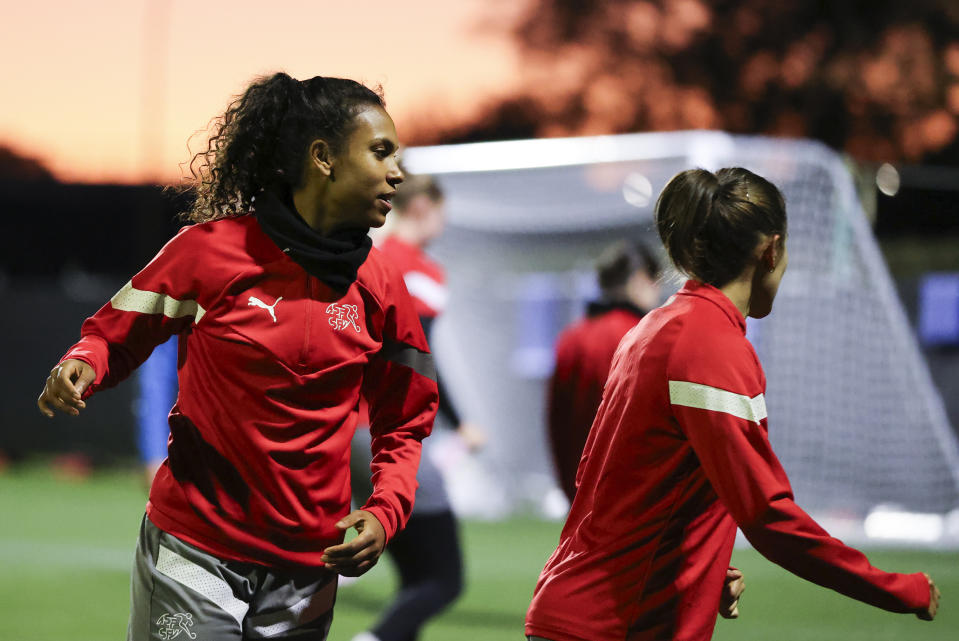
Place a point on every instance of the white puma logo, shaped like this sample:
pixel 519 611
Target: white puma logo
pixel 256 302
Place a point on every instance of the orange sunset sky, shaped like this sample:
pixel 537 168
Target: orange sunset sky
pixel 111 90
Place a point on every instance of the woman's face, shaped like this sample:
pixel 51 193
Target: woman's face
pixel 428 215
pixel 365 173
pixel 766 283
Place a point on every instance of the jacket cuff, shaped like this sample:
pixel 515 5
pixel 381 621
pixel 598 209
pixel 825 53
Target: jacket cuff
pixel 92 351
pixel 383 516
pixel 917 600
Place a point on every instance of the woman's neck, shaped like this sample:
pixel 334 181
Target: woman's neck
pixel 740 291
pixel 306 206
pixel 408 232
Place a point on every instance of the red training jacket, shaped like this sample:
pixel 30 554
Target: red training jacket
pixel 677 457
pixel 584 352
pixel 272 366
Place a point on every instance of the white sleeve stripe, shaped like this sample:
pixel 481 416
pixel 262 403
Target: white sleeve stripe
pixel 131 299
pixel 428 290
pixel 209 585
pixel 705 397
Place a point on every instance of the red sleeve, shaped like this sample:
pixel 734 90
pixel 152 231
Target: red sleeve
pixel 159 301
pixel 717 398
pixel 400 386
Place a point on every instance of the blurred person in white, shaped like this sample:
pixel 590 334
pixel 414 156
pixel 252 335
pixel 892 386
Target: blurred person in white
pixel 427 554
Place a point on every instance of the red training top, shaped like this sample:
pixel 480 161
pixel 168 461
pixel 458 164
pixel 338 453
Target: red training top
pixel 584 352
pixel 678 457
pixel 272 365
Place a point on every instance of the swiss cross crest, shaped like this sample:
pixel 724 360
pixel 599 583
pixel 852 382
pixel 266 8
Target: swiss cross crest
pixel 343 316
pixel 171 625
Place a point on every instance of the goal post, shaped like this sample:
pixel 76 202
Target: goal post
pixel 854 415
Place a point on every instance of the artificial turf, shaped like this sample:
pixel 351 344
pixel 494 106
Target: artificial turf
pixel 66 547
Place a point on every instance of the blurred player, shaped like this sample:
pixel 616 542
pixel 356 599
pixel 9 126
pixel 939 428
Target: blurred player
pixel 627 274
pixel 156 394
pixel 286 317
pixel 679 455
pixel 427 553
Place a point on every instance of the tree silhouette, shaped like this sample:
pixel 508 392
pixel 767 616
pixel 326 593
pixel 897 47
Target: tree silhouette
pixel 877 78
pixel 14 166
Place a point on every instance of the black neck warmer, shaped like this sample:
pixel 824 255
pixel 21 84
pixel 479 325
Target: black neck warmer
pixel 334 259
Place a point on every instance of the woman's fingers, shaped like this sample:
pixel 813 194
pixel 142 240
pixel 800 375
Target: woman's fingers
pixel 360 554
pixel 64 388
pixel 52 399
pixel 934 595
pixel 362 548
pixel 85 376
pixel 734 586
pixel 354 570
pixel 74 376
pixel 353 558
pixel 44 403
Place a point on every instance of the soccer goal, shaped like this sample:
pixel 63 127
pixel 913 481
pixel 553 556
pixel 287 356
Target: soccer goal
pixel 854 415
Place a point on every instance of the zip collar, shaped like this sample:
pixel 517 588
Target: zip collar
pixel 715 296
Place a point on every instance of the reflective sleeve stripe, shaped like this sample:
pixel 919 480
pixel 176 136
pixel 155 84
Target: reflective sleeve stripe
pixel 209 585
pixel 428 290
pixel 300 613
pixel 705 397
pixel 131 299
pixel 409 356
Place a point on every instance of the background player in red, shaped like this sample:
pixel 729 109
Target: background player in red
pixel 286 316
pixel 418 219
pixel 427 553
pixel 678 455
pixel 627 273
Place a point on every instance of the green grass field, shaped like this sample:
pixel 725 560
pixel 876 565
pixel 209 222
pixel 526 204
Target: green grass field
pixel 66 548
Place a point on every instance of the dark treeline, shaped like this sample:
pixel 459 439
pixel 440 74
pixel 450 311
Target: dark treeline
pixel 51 227
pixel 876 78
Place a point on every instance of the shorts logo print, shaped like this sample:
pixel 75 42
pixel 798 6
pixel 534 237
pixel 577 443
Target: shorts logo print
pixel 343 316
pixel 171 625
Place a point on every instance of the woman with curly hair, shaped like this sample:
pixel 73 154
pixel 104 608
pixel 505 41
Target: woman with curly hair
pixel 286 316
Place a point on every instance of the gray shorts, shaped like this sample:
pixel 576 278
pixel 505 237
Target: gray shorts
pixel 180 592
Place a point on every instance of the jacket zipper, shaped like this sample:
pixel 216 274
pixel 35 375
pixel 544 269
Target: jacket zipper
pixel 304 354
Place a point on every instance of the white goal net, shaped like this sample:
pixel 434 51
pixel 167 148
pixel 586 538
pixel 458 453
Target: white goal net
pixel 854 415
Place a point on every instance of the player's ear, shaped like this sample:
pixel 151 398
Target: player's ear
pixel 320 157
pixel 770 252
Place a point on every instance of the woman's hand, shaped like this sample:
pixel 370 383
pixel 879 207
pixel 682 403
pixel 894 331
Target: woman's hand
pixel 472 436
pixel 360 554
pixel 930 613
pixel 65 386
pixel 733 588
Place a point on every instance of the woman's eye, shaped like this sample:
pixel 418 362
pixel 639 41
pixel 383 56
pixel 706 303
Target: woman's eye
pixel 381 152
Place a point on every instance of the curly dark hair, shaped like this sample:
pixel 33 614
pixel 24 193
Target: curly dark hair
pixel 261 139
